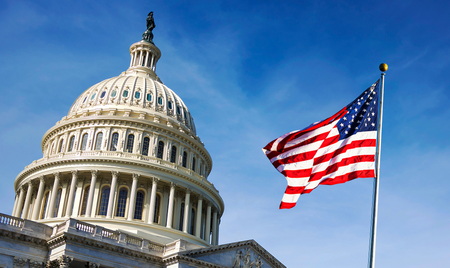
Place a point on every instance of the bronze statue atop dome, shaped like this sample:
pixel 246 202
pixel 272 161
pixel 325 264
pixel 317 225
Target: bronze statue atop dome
pixel 148 35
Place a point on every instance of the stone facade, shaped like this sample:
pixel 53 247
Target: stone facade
pixel 73 243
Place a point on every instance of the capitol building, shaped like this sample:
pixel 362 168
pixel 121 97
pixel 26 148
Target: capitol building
pixel 123 182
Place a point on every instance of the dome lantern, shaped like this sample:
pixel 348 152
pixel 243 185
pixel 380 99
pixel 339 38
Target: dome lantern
pixel 144 54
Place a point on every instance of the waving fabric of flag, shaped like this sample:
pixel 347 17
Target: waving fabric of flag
pixel 336 150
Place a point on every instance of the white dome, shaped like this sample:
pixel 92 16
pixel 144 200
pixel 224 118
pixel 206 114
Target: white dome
pixel 138 89
pixel 126 157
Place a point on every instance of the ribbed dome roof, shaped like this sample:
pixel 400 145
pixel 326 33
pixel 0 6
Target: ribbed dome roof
pixel 137 89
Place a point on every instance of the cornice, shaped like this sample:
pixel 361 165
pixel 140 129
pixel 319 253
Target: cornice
pixel 248 243
pixel 23 238
pixel 128 250
pixel 178 258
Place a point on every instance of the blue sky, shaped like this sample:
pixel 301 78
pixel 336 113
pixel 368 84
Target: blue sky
pixel 250 71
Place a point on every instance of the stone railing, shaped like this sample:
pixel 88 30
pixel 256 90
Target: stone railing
pixel 11 221
pixel 99 232
pixel 32 228
pixel 89 231
pixel 114 235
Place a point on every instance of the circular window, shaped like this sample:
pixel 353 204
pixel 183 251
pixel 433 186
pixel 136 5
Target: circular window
pixel 103 94
pixel 149 97
pixel 113 93
pixel 160 100
pixel 137 95
pixel 170 105
pixel 125 93
pixel 93 95
pixel 178 110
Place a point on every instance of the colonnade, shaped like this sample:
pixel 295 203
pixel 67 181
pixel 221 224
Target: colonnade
pixel 121 196
pixel 144 54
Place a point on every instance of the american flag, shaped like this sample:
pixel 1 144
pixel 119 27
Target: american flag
pixel 335 150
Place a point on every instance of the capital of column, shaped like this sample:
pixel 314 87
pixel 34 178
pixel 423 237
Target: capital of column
pixel 94 173
pixel 74 173
pixel 115 173
pixel 135 176
pixel 56 174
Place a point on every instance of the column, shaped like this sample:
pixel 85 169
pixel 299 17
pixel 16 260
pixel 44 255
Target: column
pixel 146 60
pixel 112 194
pixel 198 218
pixel 215 237
pixel 208 224
pixel 151 212
pixel 77 199
pixel 187 209
pixel 132 197
pixel 51 207
pixel 73 184
pixel 20 203
pixel 38 202
pixel 141 56
pixel 153 64
pixel 62 200
pixel 16 200
pixel 26 207
pixel 170 208
pixel 95 199
pixel 131 60
pixel 91 193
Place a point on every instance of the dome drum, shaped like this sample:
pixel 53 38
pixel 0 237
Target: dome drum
pixel 125 139
pixel 140 203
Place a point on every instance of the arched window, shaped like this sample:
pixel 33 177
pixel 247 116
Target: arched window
pixel 60 148
pixel 98 141
pixel 145 145
pixel 57 201
pixel 184 161
pixel 114 141
pixel 193 164
pixel 84 200
pixel 122 202
pixel 156 217
pixel 44 207
pixel 71 142
pixel 173 154
pixel 104 198
pixel 130 142
pixel 84 140
pixel 160 151
pixel 139 207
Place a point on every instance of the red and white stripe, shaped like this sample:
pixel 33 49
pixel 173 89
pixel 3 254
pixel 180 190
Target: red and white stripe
pixel 316 156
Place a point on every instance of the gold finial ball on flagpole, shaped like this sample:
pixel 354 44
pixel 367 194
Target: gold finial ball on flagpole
pixel 383 67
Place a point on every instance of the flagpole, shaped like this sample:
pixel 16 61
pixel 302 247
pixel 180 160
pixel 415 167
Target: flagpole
pixel 373 238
